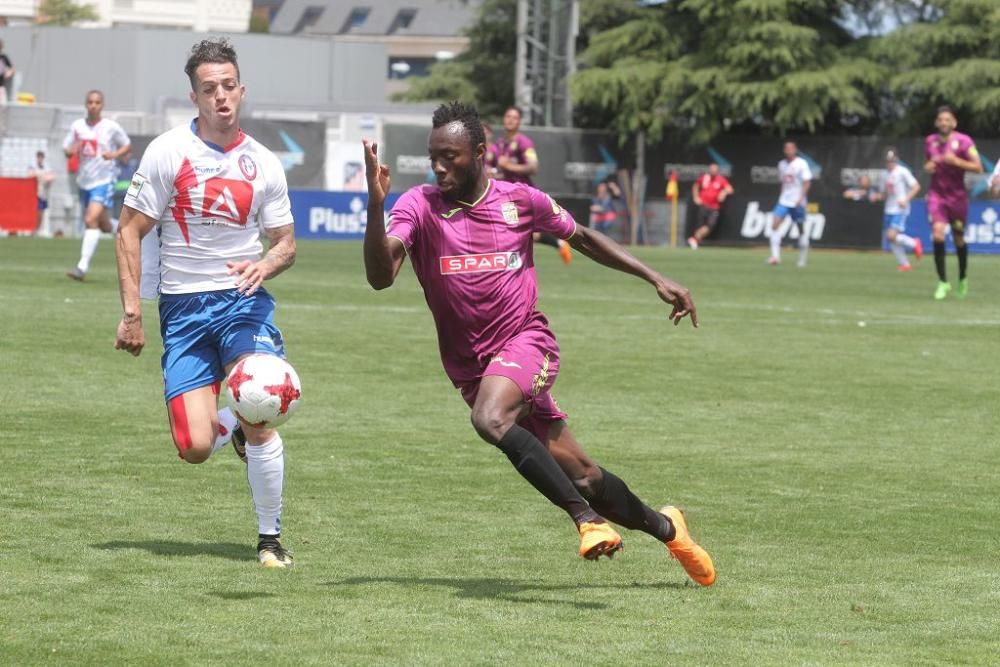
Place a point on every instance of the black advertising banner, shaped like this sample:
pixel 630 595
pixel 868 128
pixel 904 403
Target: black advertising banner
pixel 299 145
pixel 830 222
pixel 570 162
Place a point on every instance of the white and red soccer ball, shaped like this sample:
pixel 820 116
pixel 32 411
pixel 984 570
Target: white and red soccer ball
pixel 263 390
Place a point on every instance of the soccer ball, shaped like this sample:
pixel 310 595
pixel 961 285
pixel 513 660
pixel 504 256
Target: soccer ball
pixel 263 390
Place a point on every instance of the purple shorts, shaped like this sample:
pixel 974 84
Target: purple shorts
pixel 531 360
pixel 948 211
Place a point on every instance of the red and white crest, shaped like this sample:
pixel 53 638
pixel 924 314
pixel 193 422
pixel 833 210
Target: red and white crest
pixel 248 167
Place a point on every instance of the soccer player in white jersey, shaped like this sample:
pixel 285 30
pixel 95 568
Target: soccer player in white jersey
pixel 796 178
pixel 211 190
pixel 98 142
pixel 900 188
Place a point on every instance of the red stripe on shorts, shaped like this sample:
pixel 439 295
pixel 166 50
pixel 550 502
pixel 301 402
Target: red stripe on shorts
pixel 179 419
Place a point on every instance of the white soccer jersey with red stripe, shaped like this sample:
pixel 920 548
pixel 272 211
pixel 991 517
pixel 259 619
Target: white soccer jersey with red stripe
pixel 211 203
pixel 94 141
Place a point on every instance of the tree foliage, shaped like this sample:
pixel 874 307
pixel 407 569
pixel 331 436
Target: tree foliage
pixel 65 13
pixel 954 60
pixel 696 68
pixel 483 73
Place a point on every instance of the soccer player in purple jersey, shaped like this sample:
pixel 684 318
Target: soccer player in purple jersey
pixel 469 240
pixel 949 154
pixel 517 161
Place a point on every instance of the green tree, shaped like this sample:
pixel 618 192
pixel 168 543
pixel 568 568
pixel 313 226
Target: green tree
pixel 483 73
pixel 697 68
pixel 65 13
pixel 954 60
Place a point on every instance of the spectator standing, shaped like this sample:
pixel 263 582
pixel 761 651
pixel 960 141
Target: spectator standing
pixel 709 191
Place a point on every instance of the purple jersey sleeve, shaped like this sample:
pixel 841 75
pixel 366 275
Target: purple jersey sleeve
pixel 404 218
pixel 548 216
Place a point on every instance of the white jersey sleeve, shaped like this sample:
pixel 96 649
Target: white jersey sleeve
pixel 276 207
pixel 152 184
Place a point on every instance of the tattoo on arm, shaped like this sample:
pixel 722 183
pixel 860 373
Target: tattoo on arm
pixel 281 254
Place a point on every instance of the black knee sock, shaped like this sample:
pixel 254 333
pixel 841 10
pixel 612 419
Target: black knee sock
pixel 536 465
pixel 963 260
pixel 615 501
pixel 548 239
pixel 939 260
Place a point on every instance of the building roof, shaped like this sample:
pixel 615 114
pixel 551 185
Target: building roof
pixel 414 18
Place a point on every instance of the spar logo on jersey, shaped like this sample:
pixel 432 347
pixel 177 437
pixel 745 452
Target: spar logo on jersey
pixel 490 261
pixel 219 199
pixel 248 167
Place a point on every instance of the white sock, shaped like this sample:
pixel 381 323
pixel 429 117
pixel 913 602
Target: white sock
pixel 803 248
pixel 266 472
pixel 900 254
pixel 906 241
pixel 90 239
pixel 775 244
pixel 227 422
pixel 114 225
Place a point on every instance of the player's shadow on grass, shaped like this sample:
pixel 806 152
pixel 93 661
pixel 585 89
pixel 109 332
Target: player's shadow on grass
pixel 505 589
pixel 229 550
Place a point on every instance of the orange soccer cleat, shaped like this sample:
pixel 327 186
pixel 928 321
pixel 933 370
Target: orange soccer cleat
pixel 565 252
pixel 598 539
pixel 918 248
pixel 695 560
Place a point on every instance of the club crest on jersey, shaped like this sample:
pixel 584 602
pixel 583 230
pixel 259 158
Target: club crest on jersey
pixel 482 263
pixel 248 167
pixel 509 211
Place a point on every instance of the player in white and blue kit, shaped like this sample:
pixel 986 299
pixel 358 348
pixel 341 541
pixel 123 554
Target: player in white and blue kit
pixel 796 177
pixel 899 189
pixel 211 190
pixel 98 142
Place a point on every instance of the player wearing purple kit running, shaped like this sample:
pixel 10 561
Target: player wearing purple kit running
pixel 949 154
pixel 469 240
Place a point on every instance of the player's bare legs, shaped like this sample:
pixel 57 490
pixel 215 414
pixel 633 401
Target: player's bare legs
pixel 197 433
pixel 96 219
pixel 498 406
pixel 612 498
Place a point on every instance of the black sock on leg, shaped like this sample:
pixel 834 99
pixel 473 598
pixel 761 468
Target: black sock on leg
pixel 963 260
pixel 939 260
pixel 548 239
pixel 530 457
pixel 616 502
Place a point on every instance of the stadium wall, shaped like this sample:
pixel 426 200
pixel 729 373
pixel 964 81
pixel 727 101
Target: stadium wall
pixel 140 68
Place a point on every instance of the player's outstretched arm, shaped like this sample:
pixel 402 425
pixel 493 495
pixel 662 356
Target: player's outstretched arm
pixel 383 256
pixel 131 228
pixel 603 250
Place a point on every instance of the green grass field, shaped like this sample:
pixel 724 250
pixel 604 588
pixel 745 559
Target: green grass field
pixel 843 476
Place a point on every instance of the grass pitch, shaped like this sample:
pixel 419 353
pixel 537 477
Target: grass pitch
pixel 832 433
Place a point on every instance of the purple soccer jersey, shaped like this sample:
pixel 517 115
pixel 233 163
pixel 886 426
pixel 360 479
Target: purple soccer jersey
pixel 948 181
pixel 521 150
pixel 476 267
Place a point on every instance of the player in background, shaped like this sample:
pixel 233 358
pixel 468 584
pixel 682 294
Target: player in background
pixel 899 190
pixel 469 240
pixel 211 191
pixel 796 178
pixel 709 191
pixel 949 154
pixel 517 162
pixel 98 142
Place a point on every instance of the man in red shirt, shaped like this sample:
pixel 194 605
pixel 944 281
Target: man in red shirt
pixel 709 191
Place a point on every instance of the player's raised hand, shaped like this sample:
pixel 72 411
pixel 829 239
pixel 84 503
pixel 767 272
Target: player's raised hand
pixel 679 297
pixel 131 337
pixel 377 173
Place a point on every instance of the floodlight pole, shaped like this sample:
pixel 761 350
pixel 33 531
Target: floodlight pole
pixel 545 59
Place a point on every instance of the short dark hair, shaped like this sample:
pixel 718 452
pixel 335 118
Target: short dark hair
pixel 94 91
pixel 944 108
pixel 218 50
pixel 520 112
pixel 466 114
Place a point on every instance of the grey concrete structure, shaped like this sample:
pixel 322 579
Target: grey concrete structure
pixel 424 18
pixel 140 69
